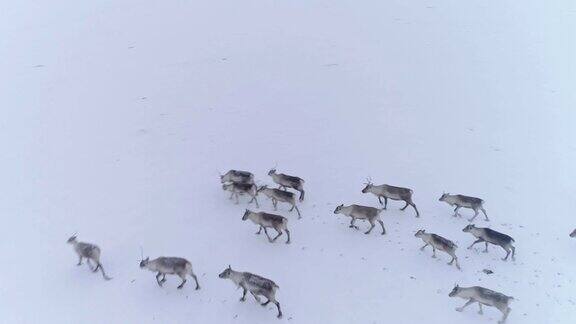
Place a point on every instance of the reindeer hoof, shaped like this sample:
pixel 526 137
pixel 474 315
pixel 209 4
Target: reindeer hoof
pixel 197 288
pixel 242 299
pixel 366 233
pixel 481 312
pixel 485 251
pixel 279 316
pixel 458 309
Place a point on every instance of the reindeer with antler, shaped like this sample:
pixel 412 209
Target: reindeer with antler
pixel 390 192
pixel 90 252
pixel 285 181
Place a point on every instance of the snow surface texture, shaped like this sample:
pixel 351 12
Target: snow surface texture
pixel 118 115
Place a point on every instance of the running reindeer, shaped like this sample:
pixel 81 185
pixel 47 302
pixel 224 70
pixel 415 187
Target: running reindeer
pixel 265 220
pixel 169 265
pixel 237 176
pixel 370 214
pixel 90 252
pixel 286 181
pixel 277 195
pixel 390 192
pixel 487 235
pixel 439 243
pixel 256 285
pixel 464 201
pixel 240 189
pixel 483 296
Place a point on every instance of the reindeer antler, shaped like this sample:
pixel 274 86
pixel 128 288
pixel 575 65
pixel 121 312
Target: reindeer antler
pixel 368 180
pixel 141 253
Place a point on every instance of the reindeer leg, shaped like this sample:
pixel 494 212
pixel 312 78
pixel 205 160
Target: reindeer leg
pixel 183 277
pixel 297 210
pixel 103 273
pixel 433 252
pixel 380 200
pixel 256 201
pixel 383 229
pixel 195 280
pixel 371 227
pixel 243 298
pixel 480 309
pixel 507 254
pixel 279 233
pixel 405 206
pixel 237 200
pixel 475 214
pixel 385 202
pixel 485 215
pixel 275 203
pixel 456 214
pixel 477 241
pixel 259 230
pixel 94 269
pixel 486 249
pixel 422 248
pixel 256 297
pixel 163 278
pixel 416 209
pixel 352 223
pixel 266 232
pixel 157 279
pixel 288 233
pixel 513 253
pixel 79 261
pixel 279 310
pixel 470 301
pixel 231 195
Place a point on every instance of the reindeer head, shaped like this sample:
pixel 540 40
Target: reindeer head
pixel 468 228
pixel 261 188
pixel 419 233
pixel 368 186
pixel 226 273
pixel 143 262
pixel 443 197
pixel 338 209
pixel 246 214
pixel 454 291
pixel 272 171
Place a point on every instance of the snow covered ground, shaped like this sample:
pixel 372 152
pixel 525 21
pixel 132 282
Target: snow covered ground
pixel 118 115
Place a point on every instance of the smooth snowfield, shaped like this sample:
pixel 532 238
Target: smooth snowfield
pixel 117 117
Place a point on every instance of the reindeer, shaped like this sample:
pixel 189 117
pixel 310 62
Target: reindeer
pixel 286 181
pixel 487 235
pixel 169 265
pixel 277 195
pixel 258 286
pixel 439 243
pixel 573 234
pixel 238 189
pixel 361 212
pixel 265 220
pixel 464 201
pixel 90 252
pixel 395 193
pixel 237 176
pixel 483 296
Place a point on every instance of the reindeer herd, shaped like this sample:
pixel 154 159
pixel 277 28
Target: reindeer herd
pixel 242 183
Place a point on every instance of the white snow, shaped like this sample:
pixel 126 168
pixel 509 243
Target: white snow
pixel 118 115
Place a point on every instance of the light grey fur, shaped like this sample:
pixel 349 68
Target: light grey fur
pixel 287 181
pixel 277 195
pixel 265 220
pixel 90 252
pixel 483 296
pixel 239 189
pixel 256 285
pixel 237 176
pixel 391 192
pixel 439 243
pixel 170 265
pixel 464 201
pixel 370 214
pixel 488 235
